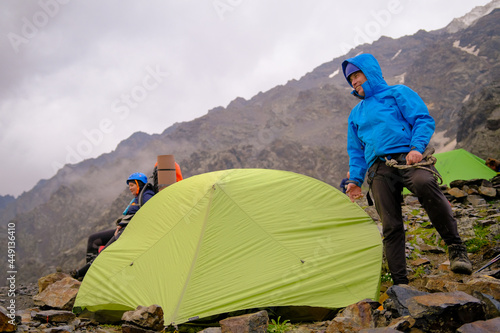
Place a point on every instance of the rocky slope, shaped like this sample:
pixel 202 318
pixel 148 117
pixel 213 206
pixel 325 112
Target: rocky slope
pixel 480 122
pixel 436 299
pixel 299 126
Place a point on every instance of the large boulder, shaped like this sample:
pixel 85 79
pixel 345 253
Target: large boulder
pixel 59 295
pixel 47 280
pixel 445 312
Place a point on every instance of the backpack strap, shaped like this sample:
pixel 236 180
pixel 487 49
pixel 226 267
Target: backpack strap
pixel 148 185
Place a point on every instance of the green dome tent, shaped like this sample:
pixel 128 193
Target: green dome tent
pixel 459 164
pixel 239 239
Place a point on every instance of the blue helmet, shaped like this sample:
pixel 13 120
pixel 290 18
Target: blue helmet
pixel 138 176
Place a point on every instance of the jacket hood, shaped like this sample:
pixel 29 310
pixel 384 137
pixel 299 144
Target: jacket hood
pixel 371 69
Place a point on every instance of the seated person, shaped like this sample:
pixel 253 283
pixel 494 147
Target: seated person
pixel 142 193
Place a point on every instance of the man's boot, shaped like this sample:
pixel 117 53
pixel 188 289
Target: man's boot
pixel 459 261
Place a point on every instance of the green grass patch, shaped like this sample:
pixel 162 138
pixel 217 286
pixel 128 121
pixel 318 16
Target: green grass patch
pixel 386 277
pixel 415 212
pixel 419 272
pixel 276 327
pixel 475 244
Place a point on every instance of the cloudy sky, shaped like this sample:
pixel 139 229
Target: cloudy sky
pixel 80 76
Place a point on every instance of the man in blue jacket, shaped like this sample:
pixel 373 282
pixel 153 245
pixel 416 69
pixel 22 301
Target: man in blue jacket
pixel 393 122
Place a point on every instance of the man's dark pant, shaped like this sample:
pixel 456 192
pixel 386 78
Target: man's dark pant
pixel 386 188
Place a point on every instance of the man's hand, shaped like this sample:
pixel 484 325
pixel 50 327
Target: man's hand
pixel 413 157
pixel 353 191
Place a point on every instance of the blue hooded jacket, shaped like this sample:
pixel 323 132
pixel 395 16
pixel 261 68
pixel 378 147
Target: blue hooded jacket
pixel 388 120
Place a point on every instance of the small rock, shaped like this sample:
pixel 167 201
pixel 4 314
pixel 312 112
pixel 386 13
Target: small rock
pixel 25 316
pixel 420 262
pixel 491 304
pixel 353 318
pixel 486 285
pixel 22 328
pixel 211 330
pixel 457 193
pixel 444 266
pixel 476 200
pixel 469 190
pixel 431 249
pixel 60 329
pixel 481 326
pixel 485 223
pixel 488 191
pixel 471 182
pixel 380 330
pixel 411 200
pixel 145 317
pixel 402 323
pixel 399 296
pixel 130 328
pixel 254 322
pixel 494 230
pixel 54 316
pixel 437 284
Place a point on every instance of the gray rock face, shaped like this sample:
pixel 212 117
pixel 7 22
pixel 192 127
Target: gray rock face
pixel 486 326
pixel 445 312
pixel 250 323
pixel 399 297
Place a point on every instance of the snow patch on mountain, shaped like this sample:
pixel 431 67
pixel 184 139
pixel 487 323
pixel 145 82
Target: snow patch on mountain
pixel 470 18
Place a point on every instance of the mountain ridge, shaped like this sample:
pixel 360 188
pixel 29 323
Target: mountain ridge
pixel 299 126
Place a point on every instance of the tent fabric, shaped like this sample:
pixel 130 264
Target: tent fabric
pixel 239 239
pixel 459 164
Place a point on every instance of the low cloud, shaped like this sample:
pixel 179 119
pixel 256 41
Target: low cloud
pixel 78 76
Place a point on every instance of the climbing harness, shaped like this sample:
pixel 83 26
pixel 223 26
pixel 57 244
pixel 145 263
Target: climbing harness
pixel 428 159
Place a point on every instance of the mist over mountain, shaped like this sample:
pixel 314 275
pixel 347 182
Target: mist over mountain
pixel 5 200
pixel 300 126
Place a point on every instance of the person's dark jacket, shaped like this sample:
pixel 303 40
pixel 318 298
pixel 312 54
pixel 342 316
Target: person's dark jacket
pixel 134 206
